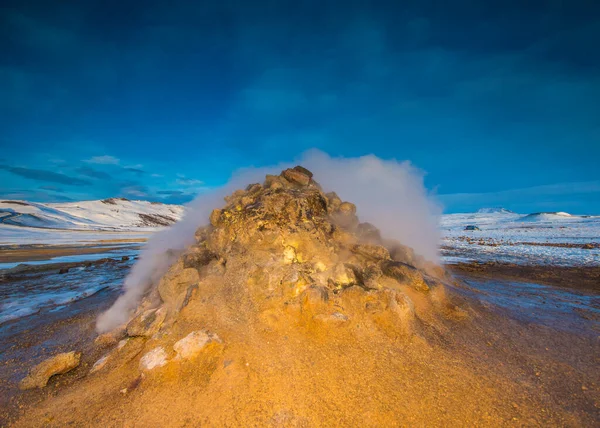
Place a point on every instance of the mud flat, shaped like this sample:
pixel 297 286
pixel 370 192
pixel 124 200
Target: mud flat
pixel 575 277
pixel 35 253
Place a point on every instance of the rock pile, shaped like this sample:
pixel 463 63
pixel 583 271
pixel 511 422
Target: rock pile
pixel 280 255
pixel 277 254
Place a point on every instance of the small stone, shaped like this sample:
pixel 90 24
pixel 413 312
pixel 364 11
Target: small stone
pixel 63 271
pixel 153 359
pixel 289 254
pixel 59 364
pixel 336 318
pixel 253 188
pixel 193 343
pixel 215 217
pixel 99 365
pixel 276 185
pixel 320 266
pixel 247 200
pixel 125 258
pixel 111 338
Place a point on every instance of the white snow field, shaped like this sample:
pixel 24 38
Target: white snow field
pixel 503 236
pixel 23 222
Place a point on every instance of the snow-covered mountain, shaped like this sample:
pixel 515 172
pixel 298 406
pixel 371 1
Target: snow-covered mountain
pixel 114 214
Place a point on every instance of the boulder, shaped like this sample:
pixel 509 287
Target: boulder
pixel 295 176
pixel 342 277
pixel 405 274
pixel 347 208
pixel 334 201
pixel 111 338
pixel 176 282
pixel 372 252
pixel 345 215
pixel 147 323
pixel 59 364
pixel 303 171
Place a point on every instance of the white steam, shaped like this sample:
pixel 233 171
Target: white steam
pixel 389 194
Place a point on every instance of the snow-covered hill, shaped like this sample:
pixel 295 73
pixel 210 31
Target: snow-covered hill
pixel 25 223
pixel 106 215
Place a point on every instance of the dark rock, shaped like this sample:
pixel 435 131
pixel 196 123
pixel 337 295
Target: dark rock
pixel 63 270
pixel 295 176
pixel 405 274
pixel 303 171
pixel 198 258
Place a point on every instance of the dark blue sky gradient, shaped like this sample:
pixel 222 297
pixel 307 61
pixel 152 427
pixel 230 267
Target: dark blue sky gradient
pixel 499 102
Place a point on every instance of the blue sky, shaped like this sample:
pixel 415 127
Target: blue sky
pixel 498 102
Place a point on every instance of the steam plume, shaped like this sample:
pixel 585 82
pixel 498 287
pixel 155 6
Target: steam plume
pixel 387 193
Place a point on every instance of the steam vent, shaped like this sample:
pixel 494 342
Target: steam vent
pixel 287 311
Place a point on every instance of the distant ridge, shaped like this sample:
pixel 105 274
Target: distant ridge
pixel 494 210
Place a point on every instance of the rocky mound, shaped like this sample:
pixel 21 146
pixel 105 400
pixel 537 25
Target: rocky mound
pixel 284 301
pixel 285 248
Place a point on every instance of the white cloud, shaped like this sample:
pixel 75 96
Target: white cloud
pixel 104 160
pixel 189 182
